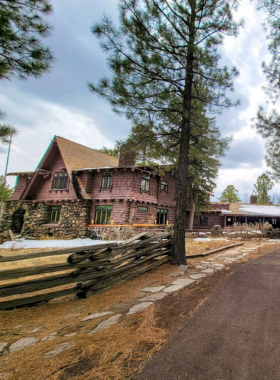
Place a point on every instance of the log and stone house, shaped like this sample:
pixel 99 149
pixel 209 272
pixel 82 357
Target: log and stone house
pixel 75 188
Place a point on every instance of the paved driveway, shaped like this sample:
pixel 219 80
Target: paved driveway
pixel 235 334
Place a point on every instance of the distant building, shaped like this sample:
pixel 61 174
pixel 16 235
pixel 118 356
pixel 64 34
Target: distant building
pixel 227 214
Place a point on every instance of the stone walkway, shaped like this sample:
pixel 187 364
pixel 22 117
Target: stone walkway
pixel 148 296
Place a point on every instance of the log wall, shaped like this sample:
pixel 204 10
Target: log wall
pixel 213 220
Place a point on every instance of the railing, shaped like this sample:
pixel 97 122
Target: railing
pixel 90 269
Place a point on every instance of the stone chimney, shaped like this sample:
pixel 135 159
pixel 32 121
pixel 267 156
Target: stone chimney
pixel 253 199
pixel 127 157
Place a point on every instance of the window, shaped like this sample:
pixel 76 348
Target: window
pixel 55 214
pixel 203 220
pixel 103 214
pixel 161 216
pixel 174 173
pixel 143 208
pixel 145 183
pixel 106 180
pixel 164 185
pixel 60 181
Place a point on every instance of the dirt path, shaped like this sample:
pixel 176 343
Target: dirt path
pixel 234 334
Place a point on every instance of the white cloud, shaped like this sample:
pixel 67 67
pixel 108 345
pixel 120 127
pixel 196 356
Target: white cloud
pixel 45 121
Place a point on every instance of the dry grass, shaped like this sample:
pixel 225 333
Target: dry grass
pixel 114 353
pixel 197 247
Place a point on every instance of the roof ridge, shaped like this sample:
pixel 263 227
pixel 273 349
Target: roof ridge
pixel 84 146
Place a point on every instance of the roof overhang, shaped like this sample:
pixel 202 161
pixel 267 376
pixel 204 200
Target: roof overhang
pixel 20 173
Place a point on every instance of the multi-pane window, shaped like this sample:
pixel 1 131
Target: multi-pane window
pixel 107 180
pixel 203 220
pixel 60 180
pixel 164 185
pixel 145 183
pixel 161 216
pixel 55 214
pixel 103 214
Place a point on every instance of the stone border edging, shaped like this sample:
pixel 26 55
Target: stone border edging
pixel 214 251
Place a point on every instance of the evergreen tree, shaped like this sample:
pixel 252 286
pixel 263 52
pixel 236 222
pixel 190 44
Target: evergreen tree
pixel 164 61
pixel 5 132
pixel 230 195
pixel 21 29
pixel 22 53
pixel 115 152
pixel 268 125
pixel 5 191
pixel 262 187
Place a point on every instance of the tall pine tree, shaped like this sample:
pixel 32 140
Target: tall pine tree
pixel 268 124
pixel 164 61
pixel 22 52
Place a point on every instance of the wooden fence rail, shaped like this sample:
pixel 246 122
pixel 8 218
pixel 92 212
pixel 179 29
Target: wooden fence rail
pixel 90 269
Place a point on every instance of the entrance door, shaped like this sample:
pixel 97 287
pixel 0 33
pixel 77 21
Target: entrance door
pixel 17 221
pixel 161 216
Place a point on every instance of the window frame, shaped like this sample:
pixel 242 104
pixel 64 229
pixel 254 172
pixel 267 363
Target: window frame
pixel 202 218
pixel 164 185
pixel 162 216
pixel 60 178
pixel 141 208
pixel 145 182
pixel 107 179
pixel 56 212
pixel 101 214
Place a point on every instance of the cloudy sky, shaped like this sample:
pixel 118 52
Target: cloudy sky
pixel 59 103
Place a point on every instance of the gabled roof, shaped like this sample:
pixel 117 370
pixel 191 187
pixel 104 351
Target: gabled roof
pixel 74 156
pixel 77 156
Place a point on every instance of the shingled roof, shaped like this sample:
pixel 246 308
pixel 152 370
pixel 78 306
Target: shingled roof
pixel 77 156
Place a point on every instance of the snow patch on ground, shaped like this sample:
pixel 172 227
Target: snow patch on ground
pixel 24 244
pixel 202 239
pixel 244 232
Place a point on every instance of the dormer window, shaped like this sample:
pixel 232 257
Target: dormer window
pixel 107 180
pixel 60 181
pixel 145 183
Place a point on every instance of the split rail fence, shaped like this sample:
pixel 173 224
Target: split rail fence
pixel 91 269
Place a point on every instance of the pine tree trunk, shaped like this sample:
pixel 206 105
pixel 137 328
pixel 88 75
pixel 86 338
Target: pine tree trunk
pixel 191 219
pixel 178 249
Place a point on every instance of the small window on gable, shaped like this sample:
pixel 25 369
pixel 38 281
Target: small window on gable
pixel 203 220
pixel 107 180
pixel 55 214
pixel 145 183
pixel 60 181
pixel 164 185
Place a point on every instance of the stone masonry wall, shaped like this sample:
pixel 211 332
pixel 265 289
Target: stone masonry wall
pixel 73 222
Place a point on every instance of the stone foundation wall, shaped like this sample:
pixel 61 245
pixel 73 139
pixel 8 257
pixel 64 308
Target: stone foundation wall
pixel 123 233
pixel 73 222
